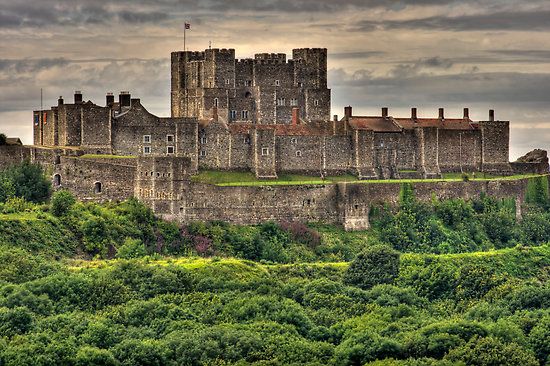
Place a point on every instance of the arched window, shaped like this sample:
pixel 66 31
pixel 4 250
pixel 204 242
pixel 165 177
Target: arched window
pixel 97 187
pixel 216 102
pixel 57 180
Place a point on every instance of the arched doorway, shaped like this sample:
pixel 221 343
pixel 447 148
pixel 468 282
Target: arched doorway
pixel 57 180
pixel 97 187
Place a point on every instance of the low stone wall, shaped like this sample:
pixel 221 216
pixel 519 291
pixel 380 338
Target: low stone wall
pixel 533 168
pixel 12 154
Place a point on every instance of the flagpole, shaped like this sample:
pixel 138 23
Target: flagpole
pixel 184 28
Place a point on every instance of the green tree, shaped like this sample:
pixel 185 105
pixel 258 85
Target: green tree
pixel 29 182
pixel 3 139
pixel 62 202
pixel 539 338
pixel 376 265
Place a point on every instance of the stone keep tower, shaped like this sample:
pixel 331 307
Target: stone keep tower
pixel 213 84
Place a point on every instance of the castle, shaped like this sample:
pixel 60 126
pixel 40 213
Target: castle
pixel 267 115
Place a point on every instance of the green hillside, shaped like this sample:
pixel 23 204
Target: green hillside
pixel 442 283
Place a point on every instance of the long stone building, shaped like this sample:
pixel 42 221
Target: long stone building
pixel 267 115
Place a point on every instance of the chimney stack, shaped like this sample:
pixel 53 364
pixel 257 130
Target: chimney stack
pixel 77 97
pixel 347 112
pixel 491 114
pixel 413 114
pixel 124 99
pixel 60 100
pixel 335 118
pixel 110 99
pixel 466 113
pixel 441 113
pixel 385 112
pixel 295 116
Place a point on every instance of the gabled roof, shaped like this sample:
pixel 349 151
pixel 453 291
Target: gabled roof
pixel 374 123
pixel 13 141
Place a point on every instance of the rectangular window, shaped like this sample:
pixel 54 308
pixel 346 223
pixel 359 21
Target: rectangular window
pixel 169 149
pixel 244 115
pixel 281 102
pixel 147 150
pixel 233 115
pixel 203 153
pixel 300 84
pixel 316 102
pixel 204 140
pixel 146 139
pixel 294 102
pixel 247 140
pixel 169 138
pixel 277 83
pixel 265 151
pixel 227 81
pixel 248 83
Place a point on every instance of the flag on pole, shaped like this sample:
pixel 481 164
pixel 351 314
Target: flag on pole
pixel 36 119
pixel 187 26
pixel 45 119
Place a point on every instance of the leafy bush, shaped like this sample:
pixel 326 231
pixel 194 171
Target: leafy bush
pixel 131 248
pixel 62 202
pixel 376 265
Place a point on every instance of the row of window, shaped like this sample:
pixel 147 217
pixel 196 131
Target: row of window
pixel 233 114
pixel 281 102
pixel 147 139
pixel 169 150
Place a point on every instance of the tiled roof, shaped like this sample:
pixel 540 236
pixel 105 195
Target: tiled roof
pixel 376 124
pixel 13 141
pixel 444 124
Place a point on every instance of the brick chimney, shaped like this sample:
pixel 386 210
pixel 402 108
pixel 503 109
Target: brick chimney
pixel 385 112
pixel 295 116
pixel 109 99
pixel 441 113
pixel 413 114
pixel 335 118
pixel 77 97
pixel 60 100
pixel 466 113
pixel 491 114
pixel 347 112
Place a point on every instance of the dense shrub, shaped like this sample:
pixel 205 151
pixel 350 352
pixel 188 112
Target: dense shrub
pixel 62 202
pixel 376 265
pixel 26 181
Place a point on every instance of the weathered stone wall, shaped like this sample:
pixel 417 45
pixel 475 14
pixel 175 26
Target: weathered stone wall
pixel 495 137
pixel 82 176
pixel 263 145
pixel 459 150
pixel 96 127
pixel 299 154
pixel 10 155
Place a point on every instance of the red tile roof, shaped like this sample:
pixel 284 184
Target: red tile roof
pixel 376 124
pixel 444 124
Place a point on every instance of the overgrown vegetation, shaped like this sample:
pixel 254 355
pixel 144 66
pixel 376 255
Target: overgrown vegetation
pixel 442 283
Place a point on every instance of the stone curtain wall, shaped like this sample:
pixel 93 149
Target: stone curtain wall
pixel 10 155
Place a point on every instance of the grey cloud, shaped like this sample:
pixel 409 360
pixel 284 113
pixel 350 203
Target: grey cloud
pixel 354 55
pixel 405 70
pixel 535 20
pixel 30 65
pixel 525 55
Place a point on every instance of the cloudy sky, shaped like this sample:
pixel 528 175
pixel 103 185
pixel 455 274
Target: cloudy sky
pixel 482 54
